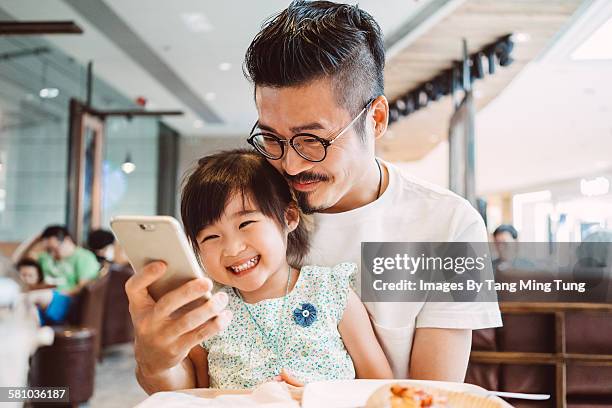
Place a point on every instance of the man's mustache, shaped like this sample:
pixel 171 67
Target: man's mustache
pixel 305 177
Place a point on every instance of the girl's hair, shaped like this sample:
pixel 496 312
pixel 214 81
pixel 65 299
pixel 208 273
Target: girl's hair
pixel 218 177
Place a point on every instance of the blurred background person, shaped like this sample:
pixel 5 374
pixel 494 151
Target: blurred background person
pixel 505 240
pixel 52 305
pixel 64 264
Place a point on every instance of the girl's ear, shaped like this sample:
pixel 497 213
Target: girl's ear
pixel 292 216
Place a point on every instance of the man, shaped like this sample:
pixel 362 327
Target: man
pixel 65 264
pixel 318 74
pixel 102 243
pixel 505 240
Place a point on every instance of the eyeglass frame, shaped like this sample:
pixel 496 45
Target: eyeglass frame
pixel 324 142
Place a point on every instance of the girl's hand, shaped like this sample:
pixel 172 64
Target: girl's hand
pixel 288 377
pixel 296 387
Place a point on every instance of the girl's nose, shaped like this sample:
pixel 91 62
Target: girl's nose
pixel 233 246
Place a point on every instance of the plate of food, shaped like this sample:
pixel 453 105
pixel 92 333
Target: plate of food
pixel 397 394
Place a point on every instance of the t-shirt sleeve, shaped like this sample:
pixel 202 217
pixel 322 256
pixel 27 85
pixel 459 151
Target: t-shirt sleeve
pixel 88 267
pixel 342 278
pixel 463 315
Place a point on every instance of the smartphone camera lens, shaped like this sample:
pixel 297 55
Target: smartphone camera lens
pixel 147 227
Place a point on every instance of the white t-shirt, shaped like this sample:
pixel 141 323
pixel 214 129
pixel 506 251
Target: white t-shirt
pixel 409 210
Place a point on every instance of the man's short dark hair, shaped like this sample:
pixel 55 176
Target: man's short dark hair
pixel 310 40
pixel 58 231
pixel 32 263
pixel 100 238
pixel 506 228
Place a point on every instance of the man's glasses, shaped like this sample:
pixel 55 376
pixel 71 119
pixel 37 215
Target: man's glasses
pixel 310 147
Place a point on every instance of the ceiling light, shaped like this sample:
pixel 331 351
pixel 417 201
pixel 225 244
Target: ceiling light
pixel 502 51
pixel 598 46
pixel 520 37
pixel 128 165
pixel 198 124
pixel 196 22
pixel 210 96
pixel 595 187
pixel 225 66
pixel 490 52
pixel 476 67
pixel 48 93
pixel 393 113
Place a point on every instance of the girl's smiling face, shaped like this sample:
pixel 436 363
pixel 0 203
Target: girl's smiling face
pixel 245 249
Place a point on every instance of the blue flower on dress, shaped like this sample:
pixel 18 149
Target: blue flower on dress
pixel 305 315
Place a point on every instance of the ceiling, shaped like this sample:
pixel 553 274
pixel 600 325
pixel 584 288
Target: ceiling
pixel 544 118
pixel 481 23
pixel 553 122
pixel 149 50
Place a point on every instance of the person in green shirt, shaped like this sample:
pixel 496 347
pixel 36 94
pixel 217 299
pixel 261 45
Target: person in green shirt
pixel 65 264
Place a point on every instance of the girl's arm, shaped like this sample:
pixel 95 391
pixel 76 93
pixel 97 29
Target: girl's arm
pixel 360 341
pixel 199 357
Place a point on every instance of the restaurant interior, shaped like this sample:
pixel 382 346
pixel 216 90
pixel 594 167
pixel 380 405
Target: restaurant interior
pixel 106 104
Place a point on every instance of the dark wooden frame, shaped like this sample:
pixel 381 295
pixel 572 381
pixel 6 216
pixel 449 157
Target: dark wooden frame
pixel 560 358
pixel 80 121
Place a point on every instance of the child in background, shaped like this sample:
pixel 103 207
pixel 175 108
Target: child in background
pixel 244 224
pixel 52 305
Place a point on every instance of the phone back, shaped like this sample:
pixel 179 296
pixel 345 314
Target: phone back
pixel 157 238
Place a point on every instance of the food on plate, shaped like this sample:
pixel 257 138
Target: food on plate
pixel 400 396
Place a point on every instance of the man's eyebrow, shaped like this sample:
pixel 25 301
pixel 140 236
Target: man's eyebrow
pixel 295 129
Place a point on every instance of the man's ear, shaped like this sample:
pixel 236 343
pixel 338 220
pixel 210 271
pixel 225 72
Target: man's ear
pixel 380 114
pixel 292 216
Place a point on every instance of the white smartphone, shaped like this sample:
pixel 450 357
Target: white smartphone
pixel 158 238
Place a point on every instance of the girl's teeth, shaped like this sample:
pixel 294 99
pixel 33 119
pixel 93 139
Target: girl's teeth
pixel 249 264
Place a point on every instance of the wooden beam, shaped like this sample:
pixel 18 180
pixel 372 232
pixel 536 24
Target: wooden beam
pixel 38 27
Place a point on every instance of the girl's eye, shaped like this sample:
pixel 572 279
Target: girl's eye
pixel 208 238
pixel 245 223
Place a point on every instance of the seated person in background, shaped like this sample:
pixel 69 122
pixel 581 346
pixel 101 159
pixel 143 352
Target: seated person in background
pixel 505 240
pixel 52 305
pixel 65 264
pixel 102 243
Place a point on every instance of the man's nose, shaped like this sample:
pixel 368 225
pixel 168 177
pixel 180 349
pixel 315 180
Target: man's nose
pixel 293 163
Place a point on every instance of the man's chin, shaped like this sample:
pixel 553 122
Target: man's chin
pixel 306 204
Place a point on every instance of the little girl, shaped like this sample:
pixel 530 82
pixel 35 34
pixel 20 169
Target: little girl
pixel 244 224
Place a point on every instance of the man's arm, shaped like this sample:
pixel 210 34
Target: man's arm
pixel 27 249
pixel 440 354
pixel 179 377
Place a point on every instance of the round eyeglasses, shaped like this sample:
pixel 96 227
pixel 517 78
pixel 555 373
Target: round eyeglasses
pixel 310 147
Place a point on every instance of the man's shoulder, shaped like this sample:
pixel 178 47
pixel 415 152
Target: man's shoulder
pixel 84 256
pixel 415 190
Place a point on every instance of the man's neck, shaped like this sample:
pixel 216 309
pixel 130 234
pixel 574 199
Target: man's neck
pixel 68 250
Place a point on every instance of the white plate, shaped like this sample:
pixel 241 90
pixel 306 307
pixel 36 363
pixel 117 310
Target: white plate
pixel 355 393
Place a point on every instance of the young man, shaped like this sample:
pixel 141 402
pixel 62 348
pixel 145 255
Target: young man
pixel 65 264
pixel 318 74
pixel 320 109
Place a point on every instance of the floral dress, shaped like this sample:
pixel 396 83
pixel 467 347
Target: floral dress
pixel 298 332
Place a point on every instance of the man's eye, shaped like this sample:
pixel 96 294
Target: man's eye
pixel 208 238
pixel 245 223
